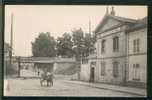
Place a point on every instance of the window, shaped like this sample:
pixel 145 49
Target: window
pixel 93 64
pixel 136 72
pixel 103 68
pixel 98 49
pixel 136 47
pixel 84 60
pixel 116 44
pixel 115 69
pixel 103 46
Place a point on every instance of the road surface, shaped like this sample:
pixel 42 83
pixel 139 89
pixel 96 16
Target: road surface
pixel 31 87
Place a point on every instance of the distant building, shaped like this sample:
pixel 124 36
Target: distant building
pixel 121 48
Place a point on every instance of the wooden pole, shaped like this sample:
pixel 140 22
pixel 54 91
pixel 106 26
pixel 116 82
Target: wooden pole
pixel 11 40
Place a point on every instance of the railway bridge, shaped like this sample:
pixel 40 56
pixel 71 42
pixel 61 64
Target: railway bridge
pixel 32 66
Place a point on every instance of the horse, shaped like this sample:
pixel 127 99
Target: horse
pixel 48 78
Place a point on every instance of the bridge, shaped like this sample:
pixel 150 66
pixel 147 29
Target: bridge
pixel 36 64
pixel 42 59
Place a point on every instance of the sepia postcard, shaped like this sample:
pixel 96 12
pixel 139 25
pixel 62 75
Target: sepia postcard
pixel 75 50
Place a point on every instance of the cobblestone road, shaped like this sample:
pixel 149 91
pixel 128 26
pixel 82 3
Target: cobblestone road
pixel 31 87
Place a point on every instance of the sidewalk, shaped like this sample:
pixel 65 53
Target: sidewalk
pixel 130 90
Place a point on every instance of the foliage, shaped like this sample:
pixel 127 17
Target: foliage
pixel 83 43
pixel 79 45
pixel 78 42
pixel 64 45
pixel 68 70
pixel 44 46
pixel 10 69
pixel 89 44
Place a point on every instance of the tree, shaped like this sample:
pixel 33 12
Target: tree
pixel 89 44
pixel 7 49
pixel 9 69
pixel 44 46
pixel 64 45
pixel 78 42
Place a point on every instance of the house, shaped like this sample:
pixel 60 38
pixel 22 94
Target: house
pixel 112 48
pixel 137 53
pixel 115 37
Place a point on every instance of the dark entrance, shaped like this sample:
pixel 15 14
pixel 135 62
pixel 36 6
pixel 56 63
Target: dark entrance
pixel 92 71
pixel 92 74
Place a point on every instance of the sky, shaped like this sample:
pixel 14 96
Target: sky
pixel 30 20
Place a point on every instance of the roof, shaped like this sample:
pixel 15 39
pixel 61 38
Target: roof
pixel 142 23
pixel 123 19
pixel 118 18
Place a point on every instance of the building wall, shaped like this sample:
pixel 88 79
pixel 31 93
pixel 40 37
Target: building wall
pixel 108 77
pixel 109 45
pixel 85 72
pixel 125 56
pixel 108 24
pixel 109 56
pixel 139 57
pixel 62 66
pixel 142 61
pixel 142 35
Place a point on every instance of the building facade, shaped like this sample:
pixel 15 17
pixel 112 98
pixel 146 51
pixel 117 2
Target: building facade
pixel 116 60
pixel 137 53
pixel 112 49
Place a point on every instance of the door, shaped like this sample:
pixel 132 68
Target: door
pixel 92 74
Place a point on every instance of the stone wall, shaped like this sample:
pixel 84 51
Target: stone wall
pixel 108 77
pixel 109 56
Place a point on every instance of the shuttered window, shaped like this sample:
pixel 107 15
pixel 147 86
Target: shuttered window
pixel 116 44
pixel 115 69
pixel 136 72
pixel 103 68
pixel 136 45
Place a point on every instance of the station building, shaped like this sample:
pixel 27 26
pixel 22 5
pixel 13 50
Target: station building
pixel 121 52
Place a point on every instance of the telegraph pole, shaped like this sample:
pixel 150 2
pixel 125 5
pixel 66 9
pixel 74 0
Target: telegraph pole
pixel 89 31
pixel 10 52
pixel 11 40
pixel 89 26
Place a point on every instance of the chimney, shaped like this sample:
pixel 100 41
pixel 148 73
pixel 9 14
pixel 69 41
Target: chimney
pixel 107 11
pixel 112 11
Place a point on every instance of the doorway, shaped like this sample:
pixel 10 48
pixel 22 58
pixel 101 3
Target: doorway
pixel 92 74
pixel 92 71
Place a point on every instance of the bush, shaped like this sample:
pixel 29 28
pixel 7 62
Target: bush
pixel 73 69
pixel 9 70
